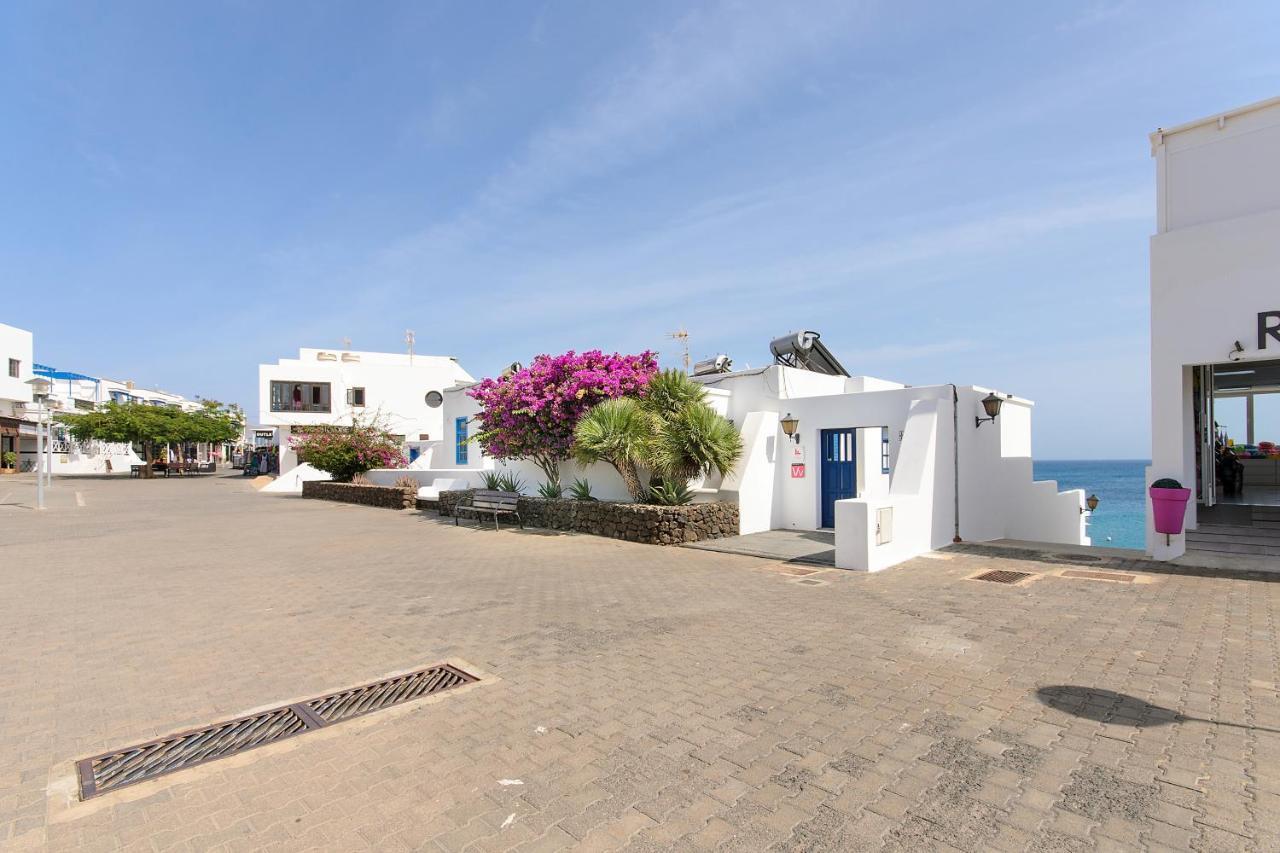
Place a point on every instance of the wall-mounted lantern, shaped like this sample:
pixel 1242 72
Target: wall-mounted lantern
pixel 1091 503
pixel 789 426
pixel 991 405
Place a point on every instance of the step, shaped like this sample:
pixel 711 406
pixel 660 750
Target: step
pixel 1234 548
pixel 1240 534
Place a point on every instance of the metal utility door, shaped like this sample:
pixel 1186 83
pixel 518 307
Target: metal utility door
pixel 839 474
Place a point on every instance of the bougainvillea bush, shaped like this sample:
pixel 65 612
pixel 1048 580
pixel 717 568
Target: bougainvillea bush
pixel 531 413
pixel 345 451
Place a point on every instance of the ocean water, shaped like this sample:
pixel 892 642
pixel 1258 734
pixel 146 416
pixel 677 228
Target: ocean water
pixel 1121 516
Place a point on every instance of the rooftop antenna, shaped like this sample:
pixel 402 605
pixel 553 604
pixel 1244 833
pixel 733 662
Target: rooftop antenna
pixel 682 335
pixel 409 339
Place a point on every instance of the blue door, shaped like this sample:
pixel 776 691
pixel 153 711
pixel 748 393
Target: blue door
pixel 839 474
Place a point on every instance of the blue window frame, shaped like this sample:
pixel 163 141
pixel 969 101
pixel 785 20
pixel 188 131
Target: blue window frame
pixel 460 439
pixel 884 450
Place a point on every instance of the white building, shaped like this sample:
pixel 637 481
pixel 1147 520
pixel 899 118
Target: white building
pixel 1215 324
pixel 16 350
pixel 72 392
pixel 402 393
pixel 896 471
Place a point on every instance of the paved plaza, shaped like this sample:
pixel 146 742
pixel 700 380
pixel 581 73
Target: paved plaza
pixel 631 697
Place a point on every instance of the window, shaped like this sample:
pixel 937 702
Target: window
pixel 299 396
pixel 355 397
pixel 460 439
pixel 884 450
pixel 434 399
pixel 15 368
pixel 84 405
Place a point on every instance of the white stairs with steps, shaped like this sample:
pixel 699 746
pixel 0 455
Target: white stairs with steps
pixel 1243 530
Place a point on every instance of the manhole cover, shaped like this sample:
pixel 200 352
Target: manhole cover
pixel 109 771
pixel 1002 576
pixel 1114 577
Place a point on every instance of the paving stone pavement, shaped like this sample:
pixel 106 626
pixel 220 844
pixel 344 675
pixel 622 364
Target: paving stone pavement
pixel 638 697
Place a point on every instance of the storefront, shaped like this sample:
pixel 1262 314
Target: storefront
pixel 1215 327
pixel 9 448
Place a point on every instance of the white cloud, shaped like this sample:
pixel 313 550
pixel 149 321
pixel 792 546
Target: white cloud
pixel 704 68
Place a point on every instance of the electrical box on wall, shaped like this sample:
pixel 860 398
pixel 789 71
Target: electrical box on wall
pixel 884 525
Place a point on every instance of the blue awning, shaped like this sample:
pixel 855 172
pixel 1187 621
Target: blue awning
pixel 49 373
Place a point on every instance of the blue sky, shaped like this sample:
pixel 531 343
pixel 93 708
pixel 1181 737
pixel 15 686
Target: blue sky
pixel 948 192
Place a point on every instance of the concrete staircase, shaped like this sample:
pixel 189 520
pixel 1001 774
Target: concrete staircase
pixel 1244 530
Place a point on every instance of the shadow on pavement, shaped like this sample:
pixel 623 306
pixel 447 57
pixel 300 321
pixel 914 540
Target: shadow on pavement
pixel 1108 706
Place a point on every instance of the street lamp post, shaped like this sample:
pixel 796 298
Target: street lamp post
pixel 40 388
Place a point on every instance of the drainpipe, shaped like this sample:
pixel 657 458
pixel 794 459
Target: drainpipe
pixel 955 457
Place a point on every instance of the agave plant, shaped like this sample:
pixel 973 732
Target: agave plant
pixel 492 480
pixel 581 490
pixel 671 493
pixel 551 490
pixel 618 431
pixel 510 482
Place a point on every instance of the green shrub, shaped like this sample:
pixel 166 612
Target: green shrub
pixel 10 459
pixel 1166 483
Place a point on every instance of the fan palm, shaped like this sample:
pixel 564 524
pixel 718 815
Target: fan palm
pixel 670 391
pixel 618 431
pixel 694 440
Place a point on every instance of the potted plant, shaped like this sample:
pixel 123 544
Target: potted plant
pixel 1169 505
pixel 10 463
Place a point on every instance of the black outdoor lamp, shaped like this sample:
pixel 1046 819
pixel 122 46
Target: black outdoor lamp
pixel 991 405
pixel 1091 502
pixel 789 427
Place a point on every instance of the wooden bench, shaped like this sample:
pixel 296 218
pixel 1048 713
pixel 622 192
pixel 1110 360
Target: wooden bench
pixel 491 503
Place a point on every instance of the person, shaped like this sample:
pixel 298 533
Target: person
pixel 1230 471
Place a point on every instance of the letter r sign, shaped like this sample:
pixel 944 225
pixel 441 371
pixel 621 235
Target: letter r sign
pixel 1268 327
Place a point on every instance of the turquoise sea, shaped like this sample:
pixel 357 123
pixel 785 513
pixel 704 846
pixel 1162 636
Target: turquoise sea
pixel 1118 483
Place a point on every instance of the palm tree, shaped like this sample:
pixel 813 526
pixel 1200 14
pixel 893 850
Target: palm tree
pixel 670 391
pixel 694 440
pixel 620 432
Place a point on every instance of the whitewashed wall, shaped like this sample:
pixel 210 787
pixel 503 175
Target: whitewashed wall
pixel 395 392
pixel 1215 264
pixel 15 343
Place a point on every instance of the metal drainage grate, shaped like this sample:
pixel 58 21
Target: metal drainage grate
pixel 383 694
pixel 119 768
pixel 1115 577
pixel 1002 576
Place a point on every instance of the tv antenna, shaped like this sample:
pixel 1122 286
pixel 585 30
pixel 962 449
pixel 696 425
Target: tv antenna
pixel 682 335
pixel 408 340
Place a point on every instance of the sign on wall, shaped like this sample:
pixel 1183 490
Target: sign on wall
pixel 797 471
pixel 1268 328
pixel 797 454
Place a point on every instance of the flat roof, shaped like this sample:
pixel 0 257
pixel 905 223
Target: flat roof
pixel 1212 119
